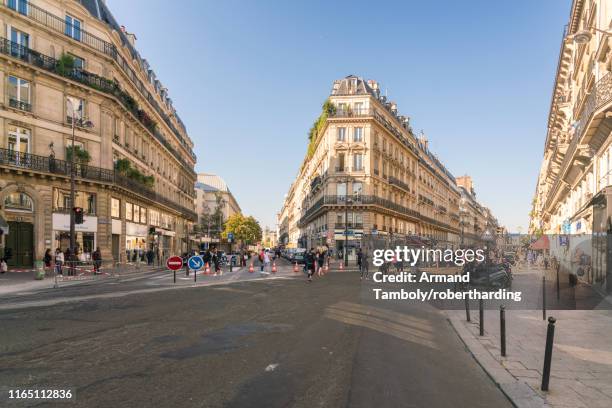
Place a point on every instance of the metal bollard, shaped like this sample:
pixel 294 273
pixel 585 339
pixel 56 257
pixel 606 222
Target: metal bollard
pixel 502 329
pixel 558 287
pixel 543 297
pixel 467 309
pixel 550 335
pixel 481 307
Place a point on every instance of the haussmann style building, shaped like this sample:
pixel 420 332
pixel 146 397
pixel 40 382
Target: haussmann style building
pixel 65 63
pixel 367 174
pixel 573 194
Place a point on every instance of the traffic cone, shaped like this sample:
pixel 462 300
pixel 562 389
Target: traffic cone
pixel 207 270
pixel 273 267
pixel 251 269
pixel 295 268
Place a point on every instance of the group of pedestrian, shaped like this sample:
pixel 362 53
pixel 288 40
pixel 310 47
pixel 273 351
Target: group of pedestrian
pixel 62 259
pixel 314 262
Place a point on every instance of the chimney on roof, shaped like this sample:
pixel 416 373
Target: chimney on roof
pixel 424 141
pixel 131 37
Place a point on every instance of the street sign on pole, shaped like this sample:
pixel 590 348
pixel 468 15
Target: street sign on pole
pixel 174 263
pixel 230 236
pixel 195 263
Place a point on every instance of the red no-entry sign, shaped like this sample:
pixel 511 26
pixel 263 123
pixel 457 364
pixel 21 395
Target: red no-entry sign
pixel 174 263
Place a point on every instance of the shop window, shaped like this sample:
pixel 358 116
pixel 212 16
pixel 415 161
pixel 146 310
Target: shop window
pixel 115 208
pixel 128 211
pixel 136 215
pixel 18 202
pixel 143 215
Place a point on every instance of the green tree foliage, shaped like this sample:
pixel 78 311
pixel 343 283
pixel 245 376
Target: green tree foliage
pixel 124 167
pixel 81 155
pixel 212 220
pixel 245 229
pixel 328 109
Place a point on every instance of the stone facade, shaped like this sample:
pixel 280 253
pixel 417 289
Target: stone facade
pixel 65 61
pixel 368 174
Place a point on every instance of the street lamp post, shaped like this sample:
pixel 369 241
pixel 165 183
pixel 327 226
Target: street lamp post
pixel 346 204
pixel 72 186
pixel 84 123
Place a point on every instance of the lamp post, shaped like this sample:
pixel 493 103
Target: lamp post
pixel 72 174
pixel 584 36
pixel 348 201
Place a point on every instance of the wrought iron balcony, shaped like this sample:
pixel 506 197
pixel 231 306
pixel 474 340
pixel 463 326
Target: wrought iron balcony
pixel 24 106
pixel 94 81
pixel 60 25
pixel 62 168
pixel 399 183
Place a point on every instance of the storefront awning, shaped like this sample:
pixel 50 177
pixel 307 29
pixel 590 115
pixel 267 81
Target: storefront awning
pixel 4 226
pixel 541 243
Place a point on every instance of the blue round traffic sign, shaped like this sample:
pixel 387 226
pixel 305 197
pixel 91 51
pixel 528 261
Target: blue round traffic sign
pixel 195 263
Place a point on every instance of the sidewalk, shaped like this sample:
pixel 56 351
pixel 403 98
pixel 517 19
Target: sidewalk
pixel 23 281
pixel 581 368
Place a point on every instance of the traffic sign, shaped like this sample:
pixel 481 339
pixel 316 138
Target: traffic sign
pixel 174 263
pixel 195 263
pixel 230 236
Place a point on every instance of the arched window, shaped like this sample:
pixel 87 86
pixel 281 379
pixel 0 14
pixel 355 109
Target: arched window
pixel 19 202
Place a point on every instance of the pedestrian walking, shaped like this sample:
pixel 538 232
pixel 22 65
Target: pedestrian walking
pixel 97 260
pixel 260 258
pixel 309 263
pixel 48 259
pixel 266 257
pixel 364 265
pixel 359 259
pixel 59 262
pixel 216 260
pixel 320 262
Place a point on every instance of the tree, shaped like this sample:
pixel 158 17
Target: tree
pixel 212 220
pixel 245 229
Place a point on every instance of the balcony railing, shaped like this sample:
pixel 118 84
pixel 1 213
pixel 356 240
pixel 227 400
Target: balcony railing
pixel 399 183
pixel 51 165
pixel 24 106
pixel 60 25
pixel 94 81
pixel 350 225
pixel 601 94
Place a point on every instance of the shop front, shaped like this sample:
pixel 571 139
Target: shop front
pixel 135 241
pixel 85 234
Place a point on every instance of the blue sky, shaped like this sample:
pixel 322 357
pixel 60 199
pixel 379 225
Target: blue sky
pixel 248 79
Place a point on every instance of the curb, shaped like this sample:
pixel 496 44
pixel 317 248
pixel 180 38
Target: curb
pixel 520 394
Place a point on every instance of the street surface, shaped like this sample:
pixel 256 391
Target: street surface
pixel 238 340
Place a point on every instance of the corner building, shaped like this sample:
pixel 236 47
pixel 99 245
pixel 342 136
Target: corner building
pixel 368 174
pixel 135 181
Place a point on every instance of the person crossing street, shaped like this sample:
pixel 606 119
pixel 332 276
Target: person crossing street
pixel 309 259
pixel 363 267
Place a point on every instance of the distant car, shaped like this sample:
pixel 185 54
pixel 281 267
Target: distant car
pixel 510 257
pixel 299 257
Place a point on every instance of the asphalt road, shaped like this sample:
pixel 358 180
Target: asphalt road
pixel 260 343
